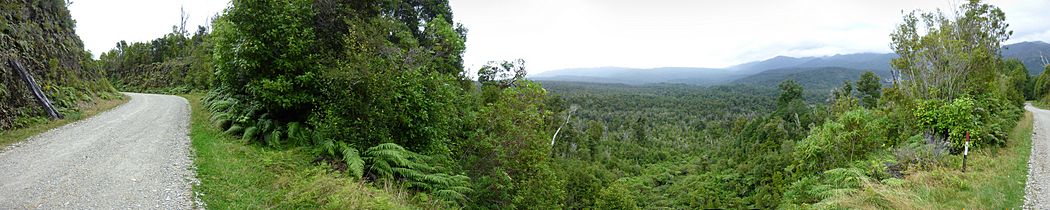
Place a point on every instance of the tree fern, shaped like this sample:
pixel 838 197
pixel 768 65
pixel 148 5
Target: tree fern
pixel 251 133
pixel 297 135
pixel 274 138
pixel 391 162
pixel 390 159
pixel 354 164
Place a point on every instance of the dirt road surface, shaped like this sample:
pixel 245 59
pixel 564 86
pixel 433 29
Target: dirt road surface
pixel 136 156
pixel 1037 191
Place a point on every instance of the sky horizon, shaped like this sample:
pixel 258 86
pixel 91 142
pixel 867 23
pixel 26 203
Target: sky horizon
pixel 561 34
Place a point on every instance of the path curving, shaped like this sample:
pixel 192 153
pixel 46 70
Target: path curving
pixel 136 156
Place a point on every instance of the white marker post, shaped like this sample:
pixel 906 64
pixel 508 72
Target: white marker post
pixel 966 151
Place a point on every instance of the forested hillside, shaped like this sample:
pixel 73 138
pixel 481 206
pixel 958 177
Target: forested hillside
pixel 377 92
pixel 176 63
pixel 39 37
pixel 824 78
pixel 826 69
pixel 1034 55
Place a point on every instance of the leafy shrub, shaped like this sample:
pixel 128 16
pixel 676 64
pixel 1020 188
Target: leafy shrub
pixel 234 130
pixel 919 154
pixel 615 196
pixel 836 143
pixel 251 133
pixel 985 120
pixel 298 135
pixel 273 138
pixel 223 124
pixel 391 162
pixel 833 182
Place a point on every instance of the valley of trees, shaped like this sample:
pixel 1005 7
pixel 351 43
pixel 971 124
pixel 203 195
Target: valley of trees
pixel 377 91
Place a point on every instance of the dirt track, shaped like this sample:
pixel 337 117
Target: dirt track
pixel 1037 189
pixel 135 156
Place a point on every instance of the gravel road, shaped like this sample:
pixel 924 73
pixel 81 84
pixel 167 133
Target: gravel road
pixel 135 156
pixel 1037 189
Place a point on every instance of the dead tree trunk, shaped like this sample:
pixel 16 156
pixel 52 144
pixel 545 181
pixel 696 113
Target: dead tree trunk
pixel 33 87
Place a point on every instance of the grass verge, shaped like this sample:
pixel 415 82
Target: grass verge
pixel 236 175
pixel 1042 104
pixel 87 109
pixel 995 179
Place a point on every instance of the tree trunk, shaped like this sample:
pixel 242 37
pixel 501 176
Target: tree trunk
pixel 33 87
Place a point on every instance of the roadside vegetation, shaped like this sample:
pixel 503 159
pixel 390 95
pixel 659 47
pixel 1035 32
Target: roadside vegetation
pixel 238 175
pixel 994 179
pixel 331 104
pixel 1041 89
pixel 31 126
pixel 39 38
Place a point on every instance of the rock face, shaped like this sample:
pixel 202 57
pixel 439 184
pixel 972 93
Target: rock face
pixel 39 34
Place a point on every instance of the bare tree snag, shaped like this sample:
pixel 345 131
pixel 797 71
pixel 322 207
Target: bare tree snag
pixel 33 87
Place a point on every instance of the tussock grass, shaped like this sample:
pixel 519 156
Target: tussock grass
pixel 237 175
pixel 995 179
pixel 87 109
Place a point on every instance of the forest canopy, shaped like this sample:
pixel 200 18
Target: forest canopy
pixel 377 90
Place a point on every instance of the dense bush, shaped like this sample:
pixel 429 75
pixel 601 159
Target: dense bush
pixel 377 90
pixel 840 142
pixel 176 63
pixel 40 37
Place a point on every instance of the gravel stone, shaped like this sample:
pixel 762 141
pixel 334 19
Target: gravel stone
pixel 1037 190
pixel 115 160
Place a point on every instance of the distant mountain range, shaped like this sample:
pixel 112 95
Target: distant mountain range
pixel 812 72
pixel 1030 53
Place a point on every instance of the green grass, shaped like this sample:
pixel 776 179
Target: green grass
pixel 87 109
pixel 1042 104
pixel 236 175
pixel 995 179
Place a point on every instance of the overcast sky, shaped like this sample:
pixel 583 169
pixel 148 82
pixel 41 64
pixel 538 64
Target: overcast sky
pixel 103 23
pixel 555 34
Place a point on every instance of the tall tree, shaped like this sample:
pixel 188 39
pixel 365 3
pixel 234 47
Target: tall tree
pixel 789 91
pixel 869 89
pixel 945 56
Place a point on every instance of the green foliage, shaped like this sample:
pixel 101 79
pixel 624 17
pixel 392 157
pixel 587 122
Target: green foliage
pixel 250 134
pixel 247 62
pixel 235 130
pixel 834 182
pixel 789 91
pixel 40 37
pixel 837 143
pixel 502 74
pixel 951 119
pixel 1042 85
pixel 1016 81
pixel 386 78
pixel 843 99
pixel 615 196
pixel 175 63
pixel 917 154
pixel 985 120
pixel 869 89
pixel 949 55
pixel 511 149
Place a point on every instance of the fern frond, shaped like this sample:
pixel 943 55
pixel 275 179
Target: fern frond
pixel 354 164
pixel 450 195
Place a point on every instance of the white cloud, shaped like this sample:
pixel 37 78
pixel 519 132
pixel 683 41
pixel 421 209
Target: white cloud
pixel 103 23
pixel 588 33
pixel 553 34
